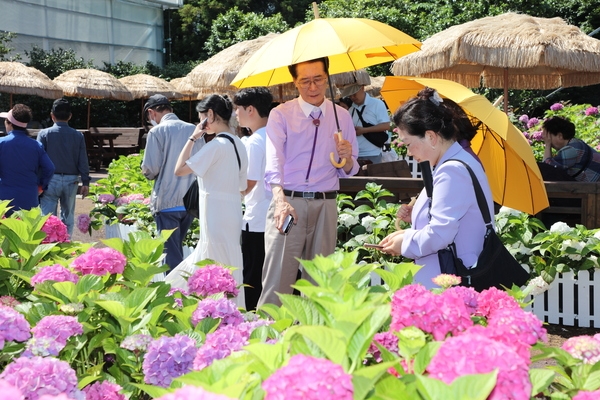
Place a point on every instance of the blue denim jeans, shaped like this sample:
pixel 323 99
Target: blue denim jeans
pixel 181 222
pixel 61 189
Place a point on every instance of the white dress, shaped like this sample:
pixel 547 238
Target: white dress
pixel 220 181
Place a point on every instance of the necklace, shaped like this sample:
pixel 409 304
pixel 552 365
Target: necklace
pixel 316 122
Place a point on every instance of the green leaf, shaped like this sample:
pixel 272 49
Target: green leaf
pixel 540 380
pixel 473 387
pixel 271 355
pixel 330 341
pixel 302 309
pixel 153 391
pixel 364 379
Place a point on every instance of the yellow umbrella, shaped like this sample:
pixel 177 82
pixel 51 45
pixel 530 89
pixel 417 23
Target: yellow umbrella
pixel 350 44
pixel 512 171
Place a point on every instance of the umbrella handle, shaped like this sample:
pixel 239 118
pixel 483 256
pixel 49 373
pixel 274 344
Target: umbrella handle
pixel 332 156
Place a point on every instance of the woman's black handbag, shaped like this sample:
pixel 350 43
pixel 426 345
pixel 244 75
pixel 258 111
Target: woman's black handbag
pixel 191 199
pixel 495 267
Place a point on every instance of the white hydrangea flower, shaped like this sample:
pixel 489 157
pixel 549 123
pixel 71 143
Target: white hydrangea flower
pixel 575 244
pixel 520 248
pixel 574 257
pixel 597 234
pixel 537 286
pixel 348 220
pixel 367 222
pixel 509 211
pixel 594 259
pixel 560 227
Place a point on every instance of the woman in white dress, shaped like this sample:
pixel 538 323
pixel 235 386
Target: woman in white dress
pixel 221 172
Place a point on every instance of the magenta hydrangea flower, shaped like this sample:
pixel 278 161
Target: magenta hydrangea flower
pixel 585 395
pixel 468 294
pixel 532 122
pixel 42 346
pixel 556 106
pixel 524 118
pixel 56 231
pixel 10 392
pixel 222 308
pixel 517 328
pixel 103 391
pixel 413 305
pixel 13 326
pixel 492 299
pixel 591 111
pixel 121 201
pixel 309 378
pixel 9 301
pixel 57 327
pixel 100 262
pixel 83 223
pixel 220 344
pixel 137 342
pixel 585 348
pixel 168 358
pixel 537 135
pixel 385 339
pixel 56 273
pixel 193 393
pixel 106 198
pixel 212 279
pixel 472 353
pixel 39 376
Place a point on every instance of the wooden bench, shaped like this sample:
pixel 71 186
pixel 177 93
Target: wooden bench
pixel 582 205
pixel 130 141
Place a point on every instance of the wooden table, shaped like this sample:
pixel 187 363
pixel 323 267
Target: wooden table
pixel 100 147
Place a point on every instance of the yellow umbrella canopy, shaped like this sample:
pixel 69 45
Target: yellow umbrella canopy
pixel 512 171
pixel 350 44
pixel 510 51
pixel 17 78
pixel 143 86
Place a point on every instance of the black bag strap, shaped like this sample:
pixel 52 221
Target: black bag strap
pixel 481 202
pixel 234 146
pixel 359 113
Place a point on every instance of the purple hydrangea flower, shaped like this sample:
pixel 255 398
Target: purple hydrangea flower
pixel 385 339
pixel 9 301
pixel 43 346
pixel 58 327
pixel 39 376
pixel 106 198
pixel 100 262
pixel 219 345
pixel 591 111
pixel 83 223
pixel 309 378
pixel 193 393
pixel 137 342
pixel 212 279
pixel 556 106
pixel 532 122
pixel 222 308
pixel 537 135
pixel 56 273
pixel 13 326
pixel 168 358
pixel 103 391
pixel 524 118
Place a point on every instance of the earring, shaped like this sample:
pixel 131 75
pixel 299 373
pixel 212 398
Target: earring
pixel 433 147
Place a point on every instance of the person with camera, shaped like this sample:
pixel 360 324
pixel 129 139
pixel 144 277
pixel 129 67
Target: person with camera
pixel 371 121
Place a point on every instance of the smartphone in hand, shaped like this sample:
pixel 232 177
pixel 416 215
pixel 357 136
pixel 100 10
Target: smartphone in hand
pixel 203 123
pixel 287 224
pixel 373 246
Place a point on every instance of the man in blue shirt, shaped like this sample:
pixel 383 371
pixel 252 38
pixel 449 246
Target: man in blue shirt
pixel 66 148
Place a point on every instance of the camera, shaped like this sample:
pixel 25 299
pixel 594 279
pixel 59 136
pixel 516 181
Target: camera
pixel 287 224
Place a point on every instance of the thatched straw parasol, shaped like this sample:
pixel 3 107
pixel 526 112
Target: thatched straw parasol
pixel 143 86
pixel 17 78
pixel 510 50
pixel 374 87
pixel 185 88
pixel 92 84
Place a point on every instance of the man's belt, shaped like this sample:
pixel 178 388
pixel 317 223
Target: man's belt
pixel 310 195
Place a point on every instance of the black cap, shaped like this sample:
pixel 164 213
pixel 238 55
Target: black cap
pixel 61 106
pixel 156 100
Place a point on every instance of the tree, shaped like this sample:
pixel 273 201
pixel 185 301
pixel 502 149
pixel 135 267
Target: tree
pixel 5 40
pixel 235 26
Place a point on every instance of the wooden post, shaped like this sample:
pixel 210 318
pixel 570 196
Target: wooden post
pixel 315 9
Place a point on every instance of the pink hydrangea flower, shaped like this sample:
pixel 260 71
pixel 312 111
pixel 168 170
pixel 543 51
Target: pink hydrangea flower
pixel 13 326
pixel 39 376
pixel 219 345
pixel 585 348
pixel 591 111
pixel 385 339
pixel 50 397
pixel 168 358
pixel 100 262
pixel 413 305
pixel 56 273
pixel 222 308
pixel 532 122
pixel 472 353
pixel 57 327
pixel 103 391
pixel 121 201
pixel 446 280
pixel 193 393
pixel 10 392
pixel 517 328
pixel 492 299
pixel 83 223
pixel 524 118
pixel 468 294
pixel 56 231
pixel 9 301
pixel 212 279
pixel 585 395
pixel 537 135
pixel 309 378
pixel 556 106
pixel 106 198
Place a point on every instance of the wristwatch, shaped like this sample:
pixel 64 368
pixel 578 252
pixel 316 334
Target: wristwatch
pixel 192 139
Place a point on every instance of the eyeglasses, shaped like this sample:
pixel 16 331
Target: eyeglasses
pixel 318 82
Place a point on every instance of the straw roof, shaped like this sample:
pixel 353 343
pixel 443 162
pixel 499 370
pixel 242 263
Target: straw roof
pixel 360 76
pixel 185 88
pixel 537 53
pixel 143 86
pixel 92 84
pixel 17 78
pixel 374 87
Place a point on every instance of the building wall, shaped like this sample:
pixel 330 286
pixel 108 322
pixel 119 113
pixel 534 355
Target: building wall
pixel 98 30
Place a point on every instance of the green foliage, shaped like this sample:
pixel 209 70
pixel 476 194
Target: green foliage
pixel 5 40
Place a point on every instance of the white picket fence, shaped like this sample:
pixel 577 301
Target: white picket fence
pixel 571 300
pixel 414 166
